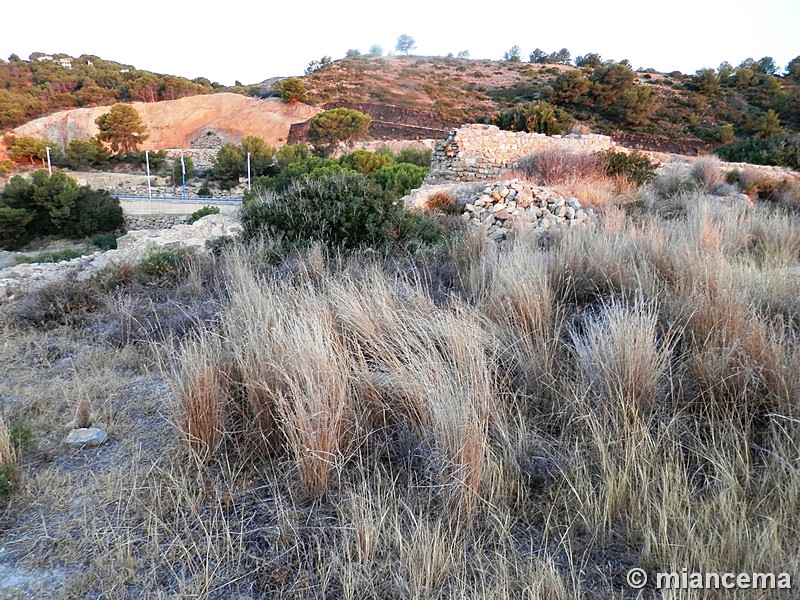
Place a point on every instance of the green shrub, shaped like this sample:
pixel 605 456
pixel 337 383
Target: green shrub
pixel 398 180
pixel 204 192
pixel 363 161
pixel 105 241
pixel 414 156
pixel 782 151
pixel 344 210
pixel 634 165
pixel 13 227
pixel 55 205
pixel 202 212
pixel 161 265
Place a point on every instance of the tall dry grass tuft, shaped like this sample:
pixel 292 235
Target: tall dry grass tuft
pixel 707 172
pixel 621 360
pixel 8 454
pixel 202 390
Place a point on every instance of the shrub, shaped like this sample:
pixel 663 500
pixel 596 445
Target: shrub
pixel 56 205
pixel 13 227
pixel 291 89
pixel 364 161
pixel 161 265
pixel 330 127
pixel 557 165
pixel 105 241
pixel 414 156
pixel 202 212
pixel 782 151
pixel 441 201
pixel 538 117
pixel 672 183
pixel 707 173
pixel 54 304
pixel 634 165
pixel 204 192
pixel 398 180
pixel 343 210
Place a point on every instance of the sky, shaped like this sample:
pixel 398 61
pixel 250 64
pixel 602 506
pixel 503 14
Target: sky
pixel 250 42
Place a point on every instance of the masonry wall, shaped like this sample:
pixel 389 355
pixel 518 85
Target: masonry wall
pixel 478 152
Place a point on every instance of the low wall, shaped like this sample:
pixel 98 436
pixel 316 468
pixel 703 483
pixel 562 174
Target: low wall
pixel 137 222
pixel 478 152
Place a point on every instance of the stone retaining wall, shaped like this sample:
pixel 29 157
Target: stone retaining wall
pixel 137 222
pixel 479 152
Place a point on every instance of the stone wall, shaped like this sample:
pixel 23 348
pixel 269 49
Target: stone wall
pixel 479 152
pixel 137 222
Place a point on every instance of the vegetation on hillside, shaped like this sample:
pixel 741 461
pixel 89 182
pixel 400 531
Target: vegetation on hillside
pixel 749 100
pixel 41 85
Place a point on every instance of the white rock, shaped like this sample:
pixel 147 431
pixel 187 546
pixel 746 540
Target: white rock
pixel 86 437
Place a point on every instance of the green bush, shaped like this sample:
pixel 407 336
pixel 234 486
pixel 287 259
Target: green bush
pixel 634 165
pixel 54 205
pixel 344 210
pixel 202 212
pixel 161 264
pixel 364 161
pixel 413 156
pixel 105 241
pixel 204 192
pixel 398 180
pixel 782 151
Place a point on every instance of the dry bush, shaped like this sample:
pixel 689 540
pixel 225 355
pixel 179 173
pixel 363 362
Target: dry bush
pixel 555 166
pixel 707 172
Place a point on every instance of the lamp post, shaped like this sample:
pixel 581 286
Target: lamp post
pixel 183 175
pixel 49 166
pixel 248 171
pixel 147 161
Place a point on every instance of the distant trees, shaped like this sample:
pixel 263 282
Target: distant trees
pixel 538 117
pixel 291 89
pixel 230 162
pixel 405 44
pixel 513 54
pixel 28 149
pixel 330 127
pixel 121 128
pixel 793 68
pixel 562 57
pixel 87 154
pixel 375 50
pixel 316 65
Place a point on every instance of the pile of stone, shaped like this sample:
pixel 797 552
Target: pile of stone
pixel 501 207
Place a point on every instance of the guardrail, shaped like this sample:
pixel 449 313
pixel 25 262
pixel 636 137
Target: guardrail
pixel 192 199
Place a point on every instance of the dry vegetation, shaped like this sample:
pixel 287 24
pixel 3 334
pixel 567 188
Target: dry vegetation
pixel 526 422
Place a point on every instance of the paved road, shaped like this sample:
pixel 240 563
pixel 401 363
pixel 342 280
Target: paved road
pixel 172 207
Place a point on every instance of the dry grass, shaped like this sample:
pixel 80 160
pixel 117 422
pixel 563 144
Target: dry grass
pixel 707 172
pixel 617 397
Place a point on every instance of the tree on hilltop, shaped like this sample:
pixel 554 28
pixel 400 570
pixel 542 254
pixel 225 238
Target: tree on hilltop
pixel 291 89
pixel 121 128
pixel 405 44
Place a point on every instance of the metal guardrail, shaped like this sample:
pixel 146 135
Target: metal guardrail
pixel 193 199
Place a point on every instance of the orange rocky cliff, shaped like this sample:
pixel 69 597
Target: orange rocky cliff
pixel 181 123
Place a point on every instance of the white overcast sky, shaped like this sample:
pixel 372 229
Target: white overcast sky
pixel 251 41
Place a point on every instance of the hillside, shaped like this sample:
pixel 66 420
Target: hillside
pixel 47 83
pixel 181 123
pixel 609 97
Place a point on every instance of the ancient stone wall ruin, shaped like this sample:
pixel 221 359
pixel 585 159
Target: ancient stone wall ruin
pixel 479 152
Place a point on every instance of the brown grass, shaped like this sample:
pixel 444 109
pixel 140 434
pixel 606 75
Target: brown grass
pixel 608 398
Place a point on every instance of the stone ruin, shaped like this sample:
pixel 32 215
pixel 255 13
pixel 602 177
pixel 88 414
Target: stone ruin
pixel 483 152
